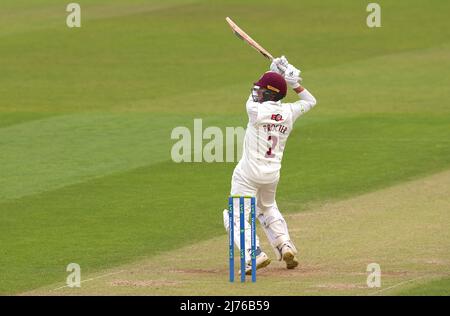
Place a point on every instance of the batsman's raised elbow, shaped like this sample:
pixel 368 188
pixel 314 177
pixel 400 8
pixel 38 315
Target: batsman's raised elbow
pixel 313 101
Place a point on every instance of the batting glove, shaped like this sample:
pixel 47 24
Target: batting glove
pixel 279 65
pixel 292 76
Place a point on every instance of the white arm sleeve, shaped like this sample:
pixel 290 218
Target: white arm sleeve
pixel 252 110
pixel 306 103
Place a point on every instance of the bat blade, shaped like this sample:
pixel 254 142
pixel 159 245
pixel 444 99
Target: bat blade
pixel 245 37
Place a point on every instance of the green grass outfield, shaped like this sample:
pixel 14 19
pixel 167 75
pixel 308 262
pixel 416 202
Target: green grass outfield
pixel 337 240
pixel 86 116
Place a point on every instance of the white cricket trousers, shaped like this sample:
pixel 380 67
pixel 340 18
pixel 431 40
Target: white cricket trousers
pixel 267 212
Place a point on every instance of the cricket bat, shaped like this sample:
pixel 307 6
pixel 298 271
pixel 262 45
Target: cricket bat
pixel 244 36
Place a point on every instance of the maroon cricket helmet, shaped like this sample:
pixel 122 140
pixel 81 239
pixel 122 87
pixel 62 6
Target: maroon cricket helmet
pixel 274 82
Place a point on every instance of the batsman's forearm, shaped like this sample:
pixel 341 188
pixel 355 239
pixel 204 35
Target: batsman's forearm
pixel 306 97
pixel 299 89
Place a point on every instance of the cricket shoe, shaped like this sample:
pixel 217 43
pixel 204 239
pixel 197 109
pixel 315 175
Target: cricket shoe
pixel 288 255
pixel 262 260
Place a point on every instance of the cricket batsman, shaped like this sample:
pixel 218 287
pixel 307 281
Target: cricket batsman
pixel 270 123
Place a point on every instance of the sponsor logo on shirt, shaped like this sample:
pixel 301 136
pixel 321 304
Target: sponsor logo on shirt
pixel 276 117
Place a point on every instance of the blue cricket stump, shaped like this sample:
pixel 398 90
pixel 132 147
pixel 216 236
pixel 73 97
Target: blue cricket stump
pixel 242 235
